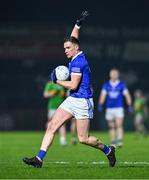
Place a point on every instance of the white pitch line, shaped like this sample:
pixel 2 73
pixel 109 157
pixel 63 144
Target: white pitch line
pixel 92 162
pixel 100 162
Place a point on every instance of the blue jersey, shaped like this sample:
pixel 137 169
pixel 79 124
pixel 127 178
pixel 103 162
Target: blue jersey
pixel 79 66
pixel 114 94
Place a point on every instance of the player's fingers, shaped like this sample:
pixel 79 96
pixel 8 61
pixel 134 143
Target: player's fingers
pixel 84 14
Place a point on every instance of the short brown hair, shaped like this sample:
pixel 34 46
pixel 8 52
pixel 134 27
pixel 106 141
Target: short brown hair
pixel 72 40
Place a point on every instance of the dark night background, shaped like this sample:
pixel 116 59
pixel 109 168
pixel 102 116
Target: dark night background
pixel 116 34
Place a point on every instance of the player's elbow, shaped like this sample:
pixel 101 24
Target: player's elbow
pixel 73 87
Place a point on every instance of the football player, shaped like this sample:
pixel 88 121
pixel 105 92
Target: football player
pixel 113 92
pixel 79 104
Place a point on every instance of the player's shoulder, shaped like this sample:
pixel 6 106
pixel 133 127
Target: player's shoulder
pixel 79 59
pixel 121 83
pixel 48 86
pixel 49 83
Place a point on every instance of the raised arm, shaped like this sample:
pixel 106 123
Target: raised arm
pixel 75 31
pixel 74 81
pixel 79 22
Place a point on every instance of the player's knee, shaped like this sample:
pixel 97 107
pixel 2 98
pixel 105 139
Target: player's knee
pixel 119 126
pixel 111 127
pixel 51 128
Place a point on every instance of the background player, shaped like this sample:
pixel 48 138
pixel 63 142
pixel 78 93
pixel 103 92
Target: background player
pixel 140 112
pixel 55 95
pixel 79 104
pixel 112 92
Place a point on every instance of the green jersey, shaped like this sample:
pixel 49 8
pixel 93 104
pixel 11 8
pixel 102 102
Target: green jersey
pixel 139 105
pixel 58 97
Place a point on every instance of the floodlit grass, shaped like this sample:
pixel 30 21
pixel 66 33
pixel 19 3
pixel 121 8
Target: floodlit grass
pixel 72 161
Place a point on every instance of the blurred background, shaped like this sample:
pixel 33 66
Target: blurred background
pixel 116 34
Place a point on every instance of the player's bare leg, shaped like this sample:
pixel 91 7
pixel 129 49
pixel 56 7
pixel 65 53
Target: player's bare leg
pixel 112 132
pixel 85 138
pixel 62 133
pixel 62 129
pixel 140 127
pixel 73 131
pixel 59 117
pixel 120 131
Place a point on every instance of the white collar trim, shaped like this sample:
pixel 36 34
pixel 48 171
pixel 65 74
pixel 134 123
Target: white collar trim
pixel 77 55
pixel 114 83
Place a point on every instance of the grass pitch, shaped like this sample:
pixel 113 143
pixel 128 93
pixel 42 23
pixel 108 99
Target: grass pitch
pixel 73 161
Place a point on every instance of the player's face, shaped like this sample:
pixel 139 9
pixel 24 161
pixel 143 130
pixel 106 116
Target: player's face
pixel 70 49
pixel 114 75
pixel 138 94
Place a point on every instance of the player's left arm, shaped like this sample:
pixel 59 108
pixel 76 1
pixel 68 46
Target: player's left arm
pixel 73 84
pixel 75 79
pixel 128 101
pixel 128 98
pixel 127 95
pixel 76 30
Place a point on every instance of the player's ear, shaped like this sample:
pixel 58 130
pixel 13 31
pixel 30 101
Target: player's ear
pixel 77 46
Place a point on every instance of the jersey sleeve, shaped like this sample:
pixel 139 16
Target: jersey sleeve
pixel 104 88
pixel 124 88
pixel 77 68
